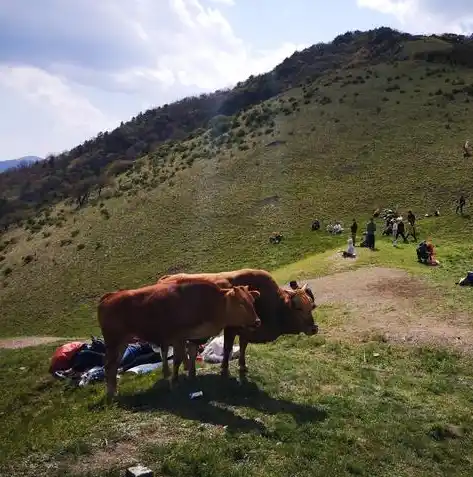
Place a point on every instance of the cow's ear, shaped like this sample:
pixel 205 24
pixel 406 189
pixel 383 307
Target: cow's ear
pixel 255 294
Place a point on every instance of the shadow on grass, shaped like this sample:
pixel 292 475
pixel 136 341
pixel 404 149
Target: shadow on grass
pixel 212 407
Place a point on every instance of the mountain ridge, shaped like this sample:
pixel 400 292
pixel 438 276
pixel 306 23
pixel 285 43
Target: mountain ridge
pixel 85 168
pixel 20 161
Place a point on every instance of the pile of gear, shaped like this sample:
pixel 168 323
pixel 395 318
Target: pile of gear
pixel 82 363
pixel 466 281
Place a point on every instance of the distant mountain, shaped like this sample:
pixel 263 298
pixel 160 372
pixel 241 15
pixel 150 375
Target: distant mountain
pixel 4 165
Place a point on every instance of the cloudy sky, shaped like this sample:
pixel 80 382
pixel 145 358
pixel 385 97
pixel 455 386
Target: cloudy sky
pixel 71 68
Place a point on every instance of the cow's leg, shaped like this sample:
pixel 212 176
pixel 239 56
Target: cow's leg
pixel 229 336
pixel 179 350
pixel 242 359
pixel 113 353
pixel 191 359
pixel 164 358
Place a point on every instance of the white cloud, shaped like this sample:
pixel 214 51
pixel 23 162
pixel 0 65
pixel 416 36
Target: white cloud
pixel 427 16
pixel 224 2
pixel 88 65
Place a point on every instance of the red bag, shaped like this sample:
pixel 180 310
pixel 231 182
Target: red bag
pixel 63 355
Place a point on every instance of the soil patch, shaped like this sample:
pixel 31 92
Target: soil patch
pixel 393 305
pixel 26 341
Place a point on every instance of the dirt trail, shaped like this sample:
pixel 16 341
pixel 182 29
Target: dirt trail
pixel 392 304
pixel 27 341
pixel 371 301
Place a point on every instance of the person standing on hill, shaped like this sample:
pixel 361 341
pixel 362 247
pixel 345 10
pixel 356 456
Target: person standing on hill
pixel 461 204
pixel 411 230
pixel 401 229
pixel 370 231
pixel 353 230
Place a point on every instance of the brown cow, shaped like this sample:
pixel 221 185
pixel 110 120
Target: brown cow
pixel 170 314
pixel 281 311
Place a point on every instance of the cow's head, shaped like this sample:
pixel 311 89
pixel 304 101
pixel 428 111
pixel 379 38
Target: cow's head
pixel 240 306
pixel 299 305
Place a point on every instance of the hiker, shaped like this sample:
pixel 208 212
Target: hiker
pixel 295 286
pixel 466 149
pixel 350 252
pixel 426 253
pixel 431 260
pixel 401 229
pixel 411 227
pixel 388 229
pixel 353 230
pixel 370 231
pixel 461 204
pixel 423 253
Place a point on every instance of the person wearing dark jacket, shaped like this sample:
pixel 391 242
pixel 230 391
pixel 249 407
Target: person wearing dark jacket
pixel 353 230
pixel 400 230
pixel 411 228
pixel 461 204
pixel 370 231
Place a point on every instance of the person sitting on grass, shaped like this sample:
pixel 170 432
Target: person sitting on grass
pixel 426 253
pixel 350 252
pixel 432 260
pixel 422 252
pixel 294 285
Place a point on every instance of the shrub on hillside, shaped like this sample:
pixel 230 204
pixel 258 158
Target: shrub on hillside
pixel 27 259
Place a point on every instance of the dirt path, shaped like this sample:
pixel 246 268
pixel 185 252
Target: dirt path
pixel 391 304
pixel 368 302
pixel 26 341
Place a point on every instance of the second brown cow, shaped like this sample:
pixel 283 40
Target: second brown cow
pixel 281 311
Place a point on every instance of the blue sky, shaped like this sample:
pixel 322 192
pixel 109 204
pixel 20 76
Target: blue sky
pixel 69 69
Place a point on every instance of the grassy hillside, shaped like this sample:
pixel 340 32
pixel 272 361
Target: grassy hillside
pixel 74 174
pixel 333 404
pixel 338 147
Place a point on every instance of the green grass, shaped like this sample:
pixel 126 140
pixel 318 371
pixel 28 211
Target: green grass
pixel 311 408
